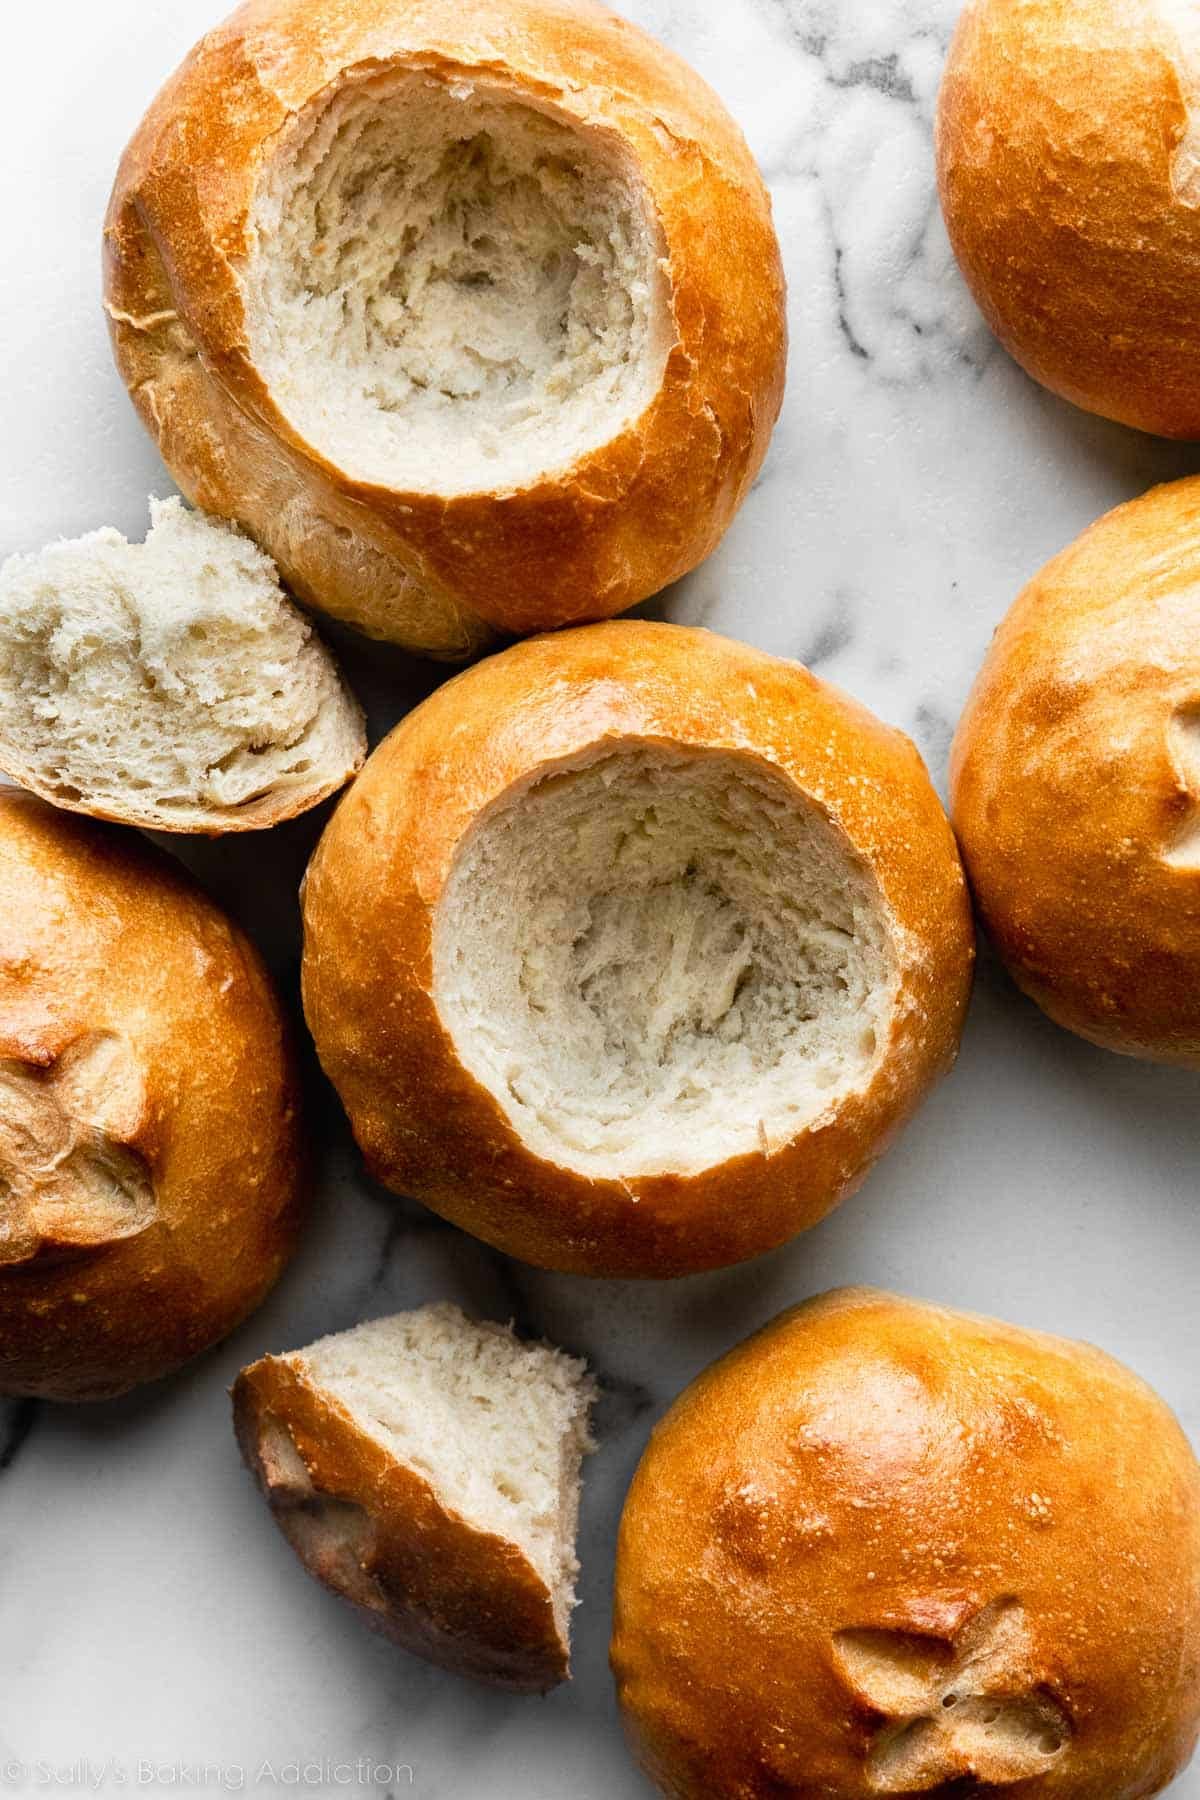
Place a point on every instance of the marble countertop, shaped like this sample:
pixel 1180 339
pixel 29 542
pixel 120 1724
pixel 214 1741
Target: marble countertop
pixel 155 1633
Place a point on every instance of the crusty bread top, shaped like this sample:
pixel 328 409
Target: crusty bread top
pixel 169 684
pixel 883 1547
pixel 626 517
pixel 1075 780
pixel 1067 162
pixel 149 1150
pixel 377 881
pixel 426 1467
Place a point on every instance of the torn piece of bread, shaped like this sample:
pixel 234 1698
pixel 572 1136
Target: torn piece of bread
pixel 170 684
pixel 426 1468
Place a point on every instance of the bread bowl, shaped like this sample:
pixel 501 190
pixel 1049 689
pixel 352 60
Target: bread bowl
pixel 426 1468
pixel 632 947
pixel 472 316
pixel 1068 156
pixel 169 684
pixel 150 1166
pixel 1075 782
pixel 885 1548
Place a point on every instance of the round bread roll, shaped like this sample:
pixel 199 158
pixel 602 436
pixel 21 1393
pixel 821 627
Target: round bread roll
pixel 149 1158
pixel 1068 153
pixel 883 1548
pixel 426 1469
pixel 1075 781
pixel 632 947
pixel 471 314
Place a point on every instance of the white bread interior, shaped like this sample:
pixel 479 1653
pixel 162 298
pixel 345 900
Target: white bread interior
pixel 450 289
pixel 170 683
pixel 497 1427
pixel 658 959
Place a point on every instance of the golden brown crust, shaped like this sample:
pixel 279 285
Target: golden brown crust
pixel 149 1142
pixel 426 1126
pixel 442 574
pixel 259 814
pixel 1075 781
pixel 373 1530
pixel 1072 215
pixel 881 1537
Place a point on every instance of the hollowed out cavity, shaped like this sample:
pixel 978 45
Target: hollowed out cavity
pixel 662 958
pixel 449 289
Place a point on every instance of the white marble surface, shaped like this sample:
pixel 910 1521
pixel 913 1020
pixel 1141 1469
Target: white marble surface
pixel 148 1612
